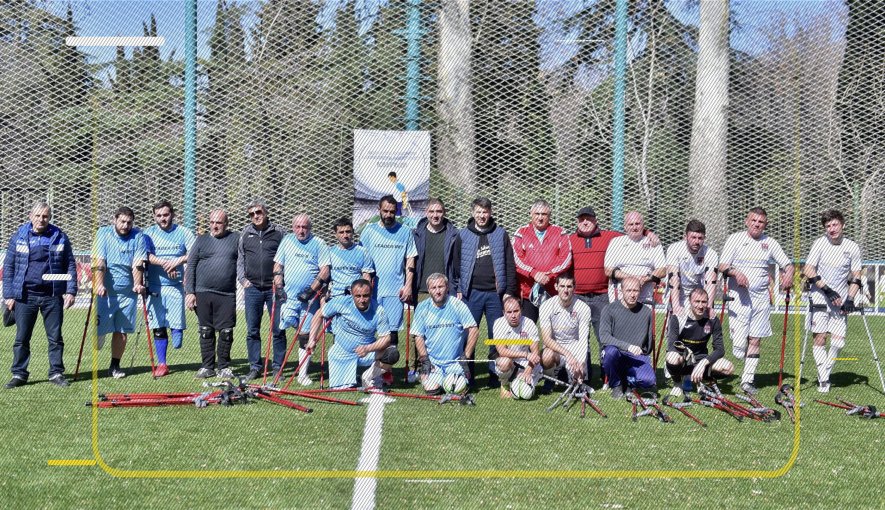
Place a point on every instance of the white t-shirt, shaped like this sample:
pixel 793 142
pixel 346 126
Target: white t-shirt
pixel 637 258
pixel 752 257
pixel 693 268
pixel 834 264
pixel 502 330
pixel 569 327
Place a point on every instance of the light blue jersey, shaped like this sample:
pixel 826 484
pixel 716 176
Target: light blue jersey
pixel 352 327
pixel 347 265
pixel 388 249
pixel 119 253
pixel 442 329
pixel 166 245
pixel 301 262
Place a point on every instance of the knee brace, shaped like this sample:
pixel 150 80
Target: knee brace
pixel 302 340
pixel 837 342
pixel 160 333
pixel 207 333
pixel 389 356
pixel 226 335
pixel 394 338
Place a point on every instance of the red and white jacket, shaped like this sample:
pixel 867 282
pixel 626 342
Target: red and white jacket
pixel 552 255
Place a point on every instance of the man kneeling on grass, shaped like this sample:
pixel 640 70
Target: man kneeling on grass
pixel 362 337
pixel 439 335
pixel 688 337
pixel 523 357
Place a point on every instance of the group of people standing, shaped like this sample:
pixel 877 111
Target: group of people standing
pixel 543 286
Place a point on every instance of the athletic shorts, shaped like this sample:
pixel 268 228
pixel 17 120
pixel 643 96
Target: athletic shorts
pixel 519 369
pixel 343 366
pixel 577 350
pixel 749 314
pixel 830 320
pixel 393 307
pixel 166 310
pixel 686 369
pixel 217 311
pixel 292 313
pixel 117 313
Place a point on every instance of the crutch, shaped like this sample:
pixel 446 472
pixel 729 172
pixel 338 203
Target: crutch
pixel 85 330
pixel 273 309
pixel 147 332
pixel 780 375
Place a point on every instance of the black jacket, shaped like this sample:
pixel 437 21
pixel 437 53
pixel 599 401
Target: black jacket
pixel 255 254
pixel 451 256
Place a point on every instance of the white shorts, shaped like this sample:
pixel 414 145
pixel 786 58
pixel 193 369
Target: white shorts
pixel 830 320
pixel 519 366
pixel 579 351
pixel 749 315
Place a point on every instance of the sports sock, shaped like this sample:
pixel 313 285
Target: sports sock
pixel 115 363
pixel 820 359
pixel 749 368
pixel 831 358
pixel 162 345
pixel 177 335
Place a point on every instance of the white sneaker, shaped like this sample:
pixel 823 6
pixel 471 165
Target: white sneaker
pixel 605 387
pixel 118 373
pixel 225 373
pixel 823 386
pixel 677 393
pixel 305 380
pixel 412 376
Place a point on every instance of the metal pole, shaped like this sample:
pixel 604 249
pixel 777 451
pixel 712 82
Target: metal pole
pixel 413 65
pixel 190 112
pixel 619 109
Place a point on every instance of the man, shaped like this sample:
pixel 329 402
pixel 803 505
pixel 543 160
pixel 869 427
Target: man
pixel 391 247
pixel 688 339
pixel 39 277
pixel 523 355
pixel 362 337
pixel 440 323
pixel 349 261
pixel 565 330
pixel 167 246
pixel 833 270
pixel 487 270
pixel 541 252
pixel 257 248
pixel 745 260
pixel 634 255
pixel 301 267
pixel 691 265
pixel 211 286
pixel 436 248
pixel 118 258
pixel 627 340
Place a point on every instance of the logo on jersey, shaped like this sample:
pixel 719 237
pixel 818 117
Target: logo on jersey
pixel 707 329
pixel 764 246
pixel 700 260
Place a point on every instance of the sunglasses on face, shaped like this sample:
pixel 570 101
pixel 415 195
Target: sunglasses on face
pixel 259 212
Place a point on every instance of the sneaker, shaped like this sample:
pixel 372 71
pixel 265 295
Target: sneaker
pixel 118 373
pixel 387 378
pixel 748 388
pixel 161 370
pixel 687 385
pixel 305 380
pixel 205 373
pixel 15 382
pixel 225 373
pixel 823 386
pixel 59 380
pixel 617 393
pixel 412 376
pixel 253 374
pixel 605 387
pixel 676 393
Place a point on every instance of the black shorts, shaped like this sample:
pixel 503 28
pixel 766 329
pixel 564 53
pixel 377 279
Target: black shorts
pixel 686 369
pixel 217 311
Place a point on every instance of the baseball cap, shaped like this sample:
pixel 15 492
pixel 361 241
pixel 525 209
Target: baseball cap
pixel 586 211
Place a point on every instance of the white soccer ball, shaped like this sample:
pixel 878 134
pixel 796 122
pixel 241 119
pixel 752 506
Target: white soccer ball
pixel 522 390
pixel 454 383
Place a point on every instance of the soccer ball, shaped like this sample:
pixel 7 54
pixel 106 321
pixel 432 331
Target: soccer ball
pixel 521 390
pixel 454 383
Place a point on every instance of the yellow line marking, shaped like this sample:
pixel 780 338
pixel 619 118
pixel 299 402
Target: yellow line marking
pixel 70 462
pixel 515 341
pixel 845 359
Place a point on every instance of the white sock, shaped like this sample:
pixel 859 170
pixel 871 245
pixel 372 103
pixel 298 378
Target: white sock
pixel 301 354
pixel 749 369
pixel 831 358
pixel 820 359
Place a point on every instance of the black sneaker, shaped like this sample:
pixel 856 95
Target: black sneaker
pixel 15 382
pixel 748 388
pixel 253 374
pixel 204 373
pixel 59 380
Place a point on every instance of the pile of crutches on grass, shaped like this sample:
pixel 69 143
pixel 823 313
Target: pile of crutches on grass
pixel 869 412
pixel 574 392
pixel 709 395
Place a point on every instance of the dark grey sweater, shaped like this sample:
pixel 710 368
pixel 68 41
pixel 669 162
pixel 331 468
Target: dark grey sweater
pixel 212 265
pixel 623 327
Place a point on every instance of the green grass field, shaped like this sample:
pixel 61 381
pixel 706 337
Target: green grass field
pixel 839 459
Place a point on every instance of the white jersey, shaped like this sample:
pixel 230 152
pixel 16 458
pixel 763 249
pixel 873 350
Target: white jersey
pixel 693 268
pixel 834 264
pixel 637 258
pixel 569 327
pixel 752 257
pixel 502 330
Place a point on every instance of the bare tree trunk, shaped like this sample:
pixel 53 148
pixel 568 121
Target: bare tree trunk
pixel 455 154
pixel 709 134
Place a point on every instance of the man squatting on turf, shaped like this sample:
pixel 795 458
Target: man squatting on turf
pixel 688 337
pixel 627 340
pixel 513 325
pixel 357 320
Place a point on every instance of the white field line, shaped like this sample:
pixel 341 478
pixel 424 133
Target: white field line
pixel 364 487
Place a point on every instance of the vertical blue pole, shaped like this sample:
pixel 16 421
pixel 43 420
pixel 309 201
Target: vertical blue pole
pixel 619 107
pixel 190 112
pixel 413 66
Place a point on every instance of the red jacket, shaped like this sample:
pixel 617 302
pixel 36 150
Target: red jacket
pixel 553 256
pixel 587 261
